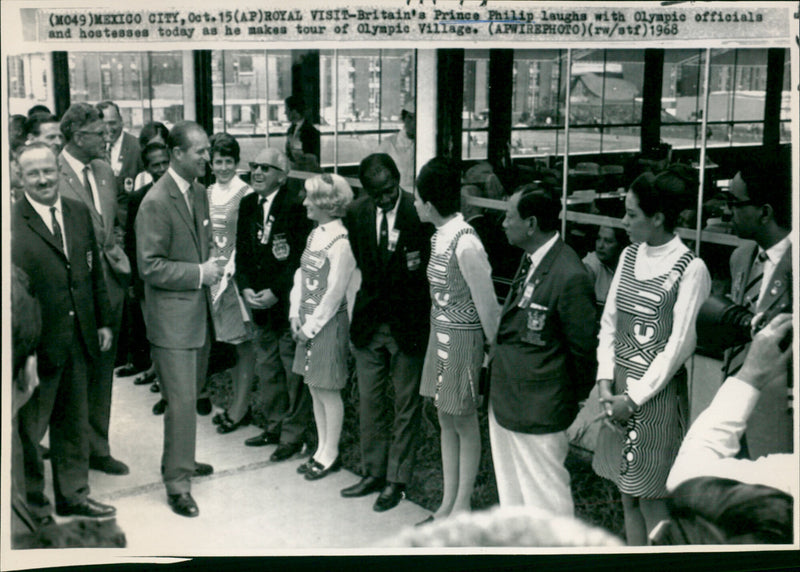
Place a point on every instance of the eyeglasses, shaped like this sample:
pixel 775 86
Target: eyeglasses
pixel 98 133
pixel 263 166
pixel 733 203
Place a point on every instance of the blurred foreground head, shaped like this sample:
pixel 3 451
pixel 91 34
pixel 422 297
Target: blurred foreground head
pixel 509 526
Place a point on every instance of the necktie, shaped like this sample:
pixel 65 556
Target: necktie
pixel 522 275
pixel 189 199
pixel 750 301
pixel 56 229
pixel 87 184
pixel 383 240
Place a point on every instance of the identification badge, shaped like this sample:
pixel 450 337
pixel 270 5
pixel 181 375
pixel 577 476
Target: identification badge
pixel 89 259
pixel 280 247
pixel 526 296
pixel 536 317
pixel 128 185
pixel 263 234
pixel 413 260
pixel 394 237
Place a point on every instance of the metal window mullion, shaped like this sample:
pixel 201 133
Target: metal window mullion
pixel 565 181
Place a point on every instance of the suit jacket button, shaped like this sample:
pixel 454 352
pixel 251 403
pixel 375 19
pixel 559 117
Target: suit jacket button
pixel 72 312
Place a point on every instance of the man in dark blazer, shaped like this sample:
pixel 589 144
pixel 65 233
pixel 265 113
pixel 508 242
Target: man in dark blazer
pixel 543 361
pixel 389 328
pixel 761 200
pixel 302 138
pixel 86 177
pixel 122 153
pixel 53 242
pixel 270 237
pixel 173 241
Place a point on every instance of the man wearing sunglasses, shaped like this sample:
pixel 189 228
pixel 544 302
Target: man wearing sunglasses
pixel 86 177
pixel 270 237
pixel 761 274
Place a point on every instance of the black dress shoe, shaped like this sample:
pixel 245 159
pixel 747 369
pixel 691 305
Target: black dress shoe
pixel 128 370
pixel 108 465
pixel 203 406
pixel 155 388
pixel 265 438
pixel 145 379
pixel 88 508
pixel 202 470
pixel 317 471
pixel 392 494
pixel 227 424
pixel 303 469
pixel 284 451
pixel 217 419
pixel 160 407
pixel 183 504
pixel 364 487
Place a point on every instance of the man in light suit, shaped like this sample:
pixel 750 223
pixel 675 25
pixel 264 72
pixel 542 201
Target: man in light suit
pixel 54 244
pixel 173 240
pixel 389 329
pixel 543 362
pixel 760 198
pixel 86 177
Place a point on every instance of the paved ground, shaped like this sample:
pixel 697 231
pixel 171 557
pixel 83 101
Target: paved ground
pixel 248 506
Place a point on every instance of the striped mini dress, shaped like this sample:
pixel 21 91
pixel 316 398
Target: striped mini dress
pixel 455 346
pixel 322 360
pixel 653 434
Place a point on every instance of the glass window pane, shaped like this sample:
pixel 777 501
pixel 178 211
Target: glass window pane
pixel 29 82
pixel 786 99
pixel 475 118
pixel 621 139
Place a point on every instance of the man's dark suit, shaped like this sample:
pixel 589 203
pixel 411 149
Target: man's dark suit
pixel 770 426
pixel 171 246
pixel 130 158
pixel 536 386
pixel 393 294
pixel 116 269
pixel 139 348
pixel 72 294
pixel 272 266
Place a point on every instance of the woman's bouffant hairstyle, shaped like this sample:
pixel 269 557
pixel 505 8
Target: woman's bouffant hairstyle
pixel 224 145
pixel 713 510
pixel 439 183
pixel 152 130
pixel 329 192
pixel 668 193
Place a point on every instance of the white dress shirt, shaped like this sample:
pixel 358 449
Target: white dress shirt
pixel 694 288
pixel 391 216
pixel 266 206
pixel 709 447
pixel 183 187
pixel 538 255
pixel 774 255
pixel 113 154
pixel 77 166
pixel 476 270
pixel 44 212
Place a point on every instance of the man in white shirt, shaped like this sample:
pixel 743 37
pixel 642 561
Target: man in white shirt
pixel 761 273
pixel 401 147
pixel 123 154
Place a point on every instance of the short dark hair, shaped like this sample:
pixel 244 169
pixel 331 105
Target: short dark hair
pixel 439 183
pixel 179 135
pixel 39 108
pixel 668 193
pixel 78 116
pixel 371 164
pixel 769 184
pixel 539 201
pixel 149 148
pixel 296 103
pixel 150 130
pixel 33 125
pixel 107 103
pixel 713 510
pixel 225 145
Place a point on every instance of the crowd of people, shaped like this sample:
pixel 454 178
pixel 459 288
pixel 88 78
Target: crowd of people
pixel 116 239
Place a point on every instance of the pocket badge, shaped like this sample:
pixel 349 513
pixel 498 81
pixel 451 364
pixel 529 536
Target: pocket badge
pixel 280 247
pixel 413 260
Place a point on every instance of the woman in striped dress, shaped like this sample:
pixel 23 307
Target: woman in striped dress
pixel 464 318
pixel 647 332
pixel 323 291
pixel 231 319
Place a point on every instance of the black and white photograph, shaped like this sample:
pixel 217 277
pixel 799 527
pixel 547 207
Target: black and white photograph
pixel 449 279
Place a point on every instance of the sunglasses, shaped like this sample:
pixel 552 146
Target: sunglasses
pixel 98 133
pixel 263 166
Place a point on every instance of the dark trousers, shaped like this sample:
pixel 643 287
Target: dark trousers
pixel 182 374
pixel 388 450
pixel 287 402
pixel 59 402
pixel 101 382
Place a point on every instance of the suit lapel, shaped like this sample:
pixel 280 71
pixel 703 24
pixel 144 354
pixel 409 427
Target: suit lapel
pixel 779 283
pixel 179 202
pixel 539 274
pixel 37 225
pixel 203 232
pixel 69 231
pixel 105 197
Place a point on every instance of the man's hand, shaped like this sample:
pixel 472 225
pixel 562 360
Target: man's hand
pixel 605 395
pixel 765 359
pixel 105 337
pixel 212 270
pixel 294 324
pixel 264 300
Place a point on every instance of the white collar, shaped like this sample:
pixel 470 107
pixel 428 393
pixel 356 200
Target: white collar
pixel 538 255
pixel 777 250
pixel 44 210
pixel 392 211
pixel 183 184
pixel 331 225
pixel 73 162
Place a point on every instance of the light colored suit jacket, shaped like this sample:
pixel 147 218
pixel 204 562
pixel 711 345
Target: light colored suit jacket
pixel 116 266
pixel 769 429
pixel 170 246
